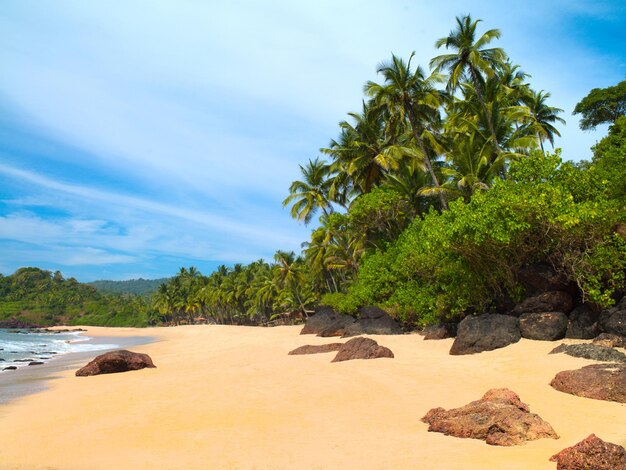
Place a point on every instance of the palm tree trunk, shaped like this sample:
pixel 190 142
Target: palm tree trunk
pixel 481 99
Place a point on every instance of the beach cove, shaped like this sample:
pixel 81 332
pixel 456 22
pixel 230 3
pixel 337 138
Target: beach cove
pixel 232 397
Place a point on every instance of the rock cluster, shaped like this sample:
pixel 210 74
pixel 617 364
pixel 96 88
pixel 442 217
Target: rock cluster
pixel 372 321
pixel 356 348
pixel 499 418
pixel 116 361
pixel 591 351
pixel 591 453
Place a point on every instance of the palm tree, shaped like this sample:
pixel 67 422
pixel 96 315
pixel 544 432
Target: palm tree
pixel 471 60
pixel 409 95
pixel 310 194
pixel 542 117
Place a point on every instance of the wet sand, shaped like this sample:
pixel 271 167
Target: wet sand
pixel 231 397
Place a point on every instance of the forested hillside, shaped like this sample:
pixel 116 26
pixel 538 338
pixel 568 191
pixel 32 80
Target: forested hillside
pixel 142 287
pixel 40 297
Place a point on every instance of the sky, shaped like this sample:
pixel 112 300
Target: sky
pixel 137 137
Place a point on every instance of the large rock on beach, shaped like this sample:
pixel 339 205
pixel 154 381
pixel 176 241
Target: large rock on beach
pixel 499 418
pixel 373 321
pixel 316 349
pixel 440 331
pixel 595 352
pixel 10 368
pixel 597 381
pixel 541 277
pixel 613 320
pixel 550 301
pixel 116 361
pixel 545 326
pixel 485 333
pixel 610 341
pixel 325 318
pixel 591 453
pixel 583 322
pixel 361 348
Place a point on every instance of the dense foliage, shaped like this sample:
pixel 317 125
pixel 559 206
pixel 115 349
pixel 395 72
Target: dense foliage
pixel 602 106
pixel 142 287
pixel 41 297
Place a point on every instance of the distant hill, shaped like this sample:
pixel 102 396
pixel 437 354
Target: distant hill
pixel 142 287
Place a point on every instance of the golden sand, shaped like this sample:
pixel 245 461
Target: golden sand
pixel 231 397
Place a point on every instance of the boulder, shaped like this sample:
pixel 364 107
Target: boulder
pixel 591 453
pixel 550 301
pixel 541 277
pixel 336 328
pixel 485 333
pixel 440 331
pixel 316 349
pixel 35 363
pixel 322 319
pixel 597 381
pixel 613 320
pixel 373 321
pixel 499 418
pixel 10 368
pixel 591 351
pixel 546 326
pixel 583 322
pixel 116 361
pixel 361 348
pixel 610 341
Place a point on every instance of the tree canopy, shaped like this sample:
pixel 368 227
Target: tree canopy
pixel 602 106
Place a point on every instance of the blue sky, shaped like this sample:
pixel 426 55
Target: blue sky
pixel 137 137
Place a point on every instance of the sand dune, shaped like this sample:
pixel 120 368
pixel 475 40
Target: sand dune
pixel 231 397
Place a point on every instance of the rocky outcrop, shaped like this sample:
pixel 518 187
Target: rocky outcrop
pixel 591 453
pixel 485 333
pixel 373 321
pixel 361 348
pixel 499 418
pixel 597 381
pixel 591 351
pixel 550 301
pixel 609 340
pixel 116 361
pixel 540 277
pixel 613 320
pixel 323 319
pixel 440 331
pixel 545 326
pixel 10 368
pixel 583 322
pixel 316 349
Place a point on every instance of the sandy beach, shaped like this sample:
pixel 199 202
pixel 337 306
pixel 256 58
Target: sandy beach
pixel 231 397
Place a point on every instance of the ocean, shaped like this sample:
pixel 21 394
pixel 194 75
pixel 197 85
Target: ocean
pixel 57 351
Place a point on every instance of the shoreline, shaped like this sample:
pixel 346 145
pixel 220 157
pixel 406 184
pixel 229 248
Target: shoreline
pixel 231 397
pixel 35 379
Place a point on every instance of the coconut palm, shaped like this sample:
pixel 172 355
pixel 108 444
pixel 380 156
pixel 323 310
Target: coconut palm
pixel 311 193
pixel 542 117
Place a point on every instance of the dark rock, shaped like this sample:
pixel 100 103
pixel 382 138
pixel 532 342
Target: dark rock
pixel 539 278
pixel 591 453
pixel 35 363
pixel 1 360
pixel 485 333
pixel 583 322
pixel 613 320
pixel 22 360
pixel 361 348
pixel 10 368
pixel 610 341
pixel 499 418
pixel 322 319
pixel 373 321
pixel 591 351
pixel 440 331
pixel 336 328
pixel 116 361
pixel 316 349
pixel 546 326
pixel 550 301
pixel 15 323
pixel 597 381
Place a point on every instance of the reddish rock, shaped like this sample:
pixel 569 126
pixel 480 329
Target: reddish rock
pixel 361 348
pixel 609 340
pixel 116 361
pixel 316 349
pixel 499 417
pixel 597 381
pixel 591 453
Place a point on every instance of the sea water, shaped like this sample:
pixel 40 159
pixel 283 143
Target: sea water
pixel 18 348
